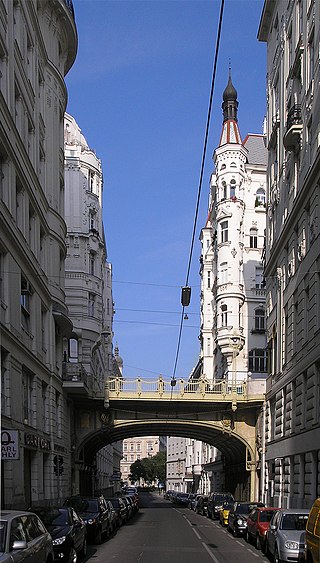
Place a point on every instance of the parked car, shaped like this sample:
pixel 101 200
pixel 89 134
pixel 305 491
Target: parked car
pixel 23 537
pixel 67 529
pixel 134 503
pixel 286 534
pixel 258 523
pixel 168 494
pixel 96 513
pixel 224 513
pixel 194 502
pixel 182 499
pixel 215 503
pixel 120 510
pixel 237 521
pixel 202 505
pixel 129 507
pixel 313 534
pixel 191 498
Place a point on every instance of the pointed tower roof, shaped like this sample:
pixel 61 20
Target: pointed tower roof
pixel 230 129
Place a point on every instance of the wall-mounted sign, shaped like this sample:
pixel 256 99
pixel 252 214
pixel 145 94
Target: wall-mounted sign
pixel 37 442
pixel 9 444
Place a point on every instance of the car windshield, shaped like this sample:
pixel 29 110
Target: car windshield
pixel 183 495
pixel 294 522
pixel 266 515
pixel 53 516
pixel 227 505
pixel 3 533
pixel 219 498
pixel 83 505
pixel 245 508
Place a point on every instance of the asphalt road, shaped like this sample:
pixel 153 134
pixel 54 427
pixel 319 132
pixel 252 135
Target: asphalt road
pixel 164 533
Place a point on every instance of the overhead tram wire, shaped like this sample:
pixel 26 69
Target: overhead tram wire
pixel 173 379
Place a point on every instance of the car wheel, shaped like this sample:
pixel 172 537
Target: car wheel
pixel 235 533
pixel 98 539
pixel 83 551
pixel 258 542
pixel 247 536
pixel 276 556
pixel 73 558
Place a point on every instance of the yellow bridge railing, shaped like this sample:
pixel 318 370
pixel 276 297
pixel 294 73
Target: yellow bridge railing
pixel 180 389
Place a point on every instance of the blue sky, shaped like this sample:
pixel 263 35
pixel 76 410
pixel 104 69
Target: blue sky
pixel 139 91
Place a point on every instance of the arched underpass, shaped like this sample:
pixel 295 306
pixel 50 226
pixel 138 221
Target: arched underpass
pixel 240 474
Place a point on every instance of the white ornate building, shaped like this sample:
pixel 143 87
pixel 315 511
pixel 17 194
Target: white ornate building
pixel 38 43
pixel 233 341
pixel 89 359
pixel 292 450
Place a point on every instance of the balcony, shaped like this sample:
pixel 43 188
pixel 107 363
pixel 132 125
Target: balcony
pixel 75 379
pixel 291 139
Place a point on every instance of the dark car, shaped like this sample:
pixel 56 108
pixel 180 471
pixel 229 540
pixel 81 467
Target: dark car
pixel 258 523
pixel 215 503
pixel 67 529
pixel 120 510
pixel 202 505
pixel 96 513
pixel 129 507
pixel 134 502
pixel 24 537
pixel 237 521
pixel 182 499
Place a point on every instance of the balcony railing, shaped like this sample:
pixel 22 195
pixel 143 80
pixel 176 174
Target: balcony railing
pixel 75 378
pixel 292 136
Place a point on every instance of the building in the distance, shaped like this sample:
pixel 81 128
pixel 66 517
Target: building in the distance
pixel 292 449
pixel 88 355
pixel 38 43
pixel 139 448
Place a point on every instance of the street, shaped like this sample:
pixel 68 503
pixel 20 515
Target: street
pixel 162 532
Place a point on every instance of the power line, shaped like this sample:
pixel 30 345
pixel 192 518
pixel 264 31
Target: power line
pixel 200 180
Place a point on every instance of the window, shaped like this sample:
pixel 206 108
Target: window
pixel 259 320
pixel 224 315
pixel 92 220
pixel 125 447
pixel 25 296
pixel 224 190
pixel 224 231
pixel 224 272
pixel 232 189
pixel 27 382
pixel 260 197
pixel 92 257
pixel 131 447
pixel 311 58
pixel 258 360
pixel 91 302
pixel 260 282
pixel 253 238
pixel 138 447
pixel 73 350
pixel 90 181
pixel 209 280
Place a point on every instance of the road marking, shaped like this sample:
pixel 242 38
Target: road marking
pixel 253 553
pixel 210 553
pixel 197 534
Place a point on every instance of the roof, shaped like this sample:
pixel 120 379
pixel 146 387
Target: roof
pixel 257 150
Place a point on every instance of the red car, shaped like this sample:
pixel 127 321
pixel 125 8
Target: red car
pixel 258 524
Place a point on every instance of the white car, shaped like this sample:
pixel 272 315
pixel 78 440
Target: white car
pixel 23 537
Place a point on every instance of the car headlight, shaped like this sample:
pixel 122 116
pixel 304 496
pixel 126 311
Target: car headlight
pixel 240 521
pixel 291 545
pixel 59 541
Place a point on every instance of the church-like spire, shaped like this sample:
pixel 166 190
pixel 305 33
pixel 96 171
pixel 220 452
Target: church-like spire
pixel 230 129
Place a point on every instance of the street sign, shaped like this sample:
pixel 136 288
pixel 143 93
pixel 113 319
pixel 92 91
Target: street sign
pixel 9 444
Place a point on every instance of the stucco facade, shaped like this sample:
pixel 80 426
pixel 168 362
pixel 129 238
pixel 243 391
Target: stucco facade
pixel 292 453
pixel 38 47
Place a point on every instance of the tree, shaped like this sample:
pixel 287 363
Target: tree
pixel 137 471
pixel 149 468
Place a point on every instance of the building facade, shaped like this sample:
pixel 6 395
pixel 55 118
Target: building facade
pixel 232 245
pixel 88 355
pixel 292 452
pixel 38 43
pixel 138 448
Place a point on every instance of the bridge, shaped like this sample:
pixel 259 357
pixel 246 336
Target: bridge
pixel 225 414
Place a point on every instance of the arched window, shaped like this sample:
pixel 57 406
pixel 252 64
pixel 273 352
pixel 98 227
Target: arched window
pixel 259 320
pixel 254 238
pixel 224 190
pixel 232 188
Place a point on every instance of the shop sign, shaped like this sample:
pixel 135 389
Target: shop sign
pixel 9 444
pixel 37 442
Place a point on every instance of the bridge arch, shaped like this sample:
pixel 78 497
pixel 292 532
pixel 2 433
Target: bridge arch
pixel 238 451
